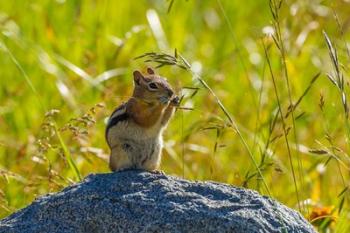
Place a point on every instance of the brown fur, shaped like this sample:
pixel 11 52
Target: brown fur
pixel 143 113
pixel 139 124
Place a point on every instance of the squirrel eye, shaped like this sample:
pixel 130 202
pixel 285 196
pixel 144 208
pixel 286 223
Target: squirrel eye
pixel 152 86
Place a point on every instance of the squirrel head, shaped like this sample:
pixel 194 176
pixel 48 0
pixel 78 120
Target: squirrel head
pixel 151 87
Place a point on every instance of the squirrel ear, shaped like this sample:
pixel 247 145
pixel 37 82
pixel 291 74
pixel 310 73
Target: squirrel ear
pixel 137 76
pixel 150 70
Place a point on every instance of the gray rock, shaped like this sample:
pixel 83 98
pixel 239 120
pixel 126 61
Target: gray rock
pixel 137 201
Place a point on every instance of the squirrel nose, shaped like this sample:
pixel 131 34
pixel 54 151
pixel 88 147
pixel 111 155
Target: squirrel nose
pixel 170 92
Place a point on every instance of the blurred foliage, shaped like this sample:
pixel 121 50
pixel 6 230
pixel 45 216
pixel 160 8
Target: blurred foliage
pixel 282 83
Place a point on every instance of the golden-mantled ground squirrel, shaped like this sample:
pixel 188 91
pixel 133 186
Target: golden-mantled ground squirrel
pixel 134 130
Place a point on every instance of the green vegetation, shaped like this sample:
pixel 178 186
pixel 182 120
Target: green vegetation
pixel 265 89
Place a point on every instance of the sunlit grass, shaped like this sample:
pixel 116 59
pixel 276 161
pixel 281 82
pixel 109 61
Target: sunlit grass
pixel 265 94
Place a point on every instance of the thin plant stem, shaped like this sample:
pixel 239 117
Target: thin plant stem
pixel 283 123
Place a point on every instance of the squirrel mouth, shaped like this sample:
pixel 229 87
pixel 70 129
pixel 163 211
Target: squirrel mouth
pixel 164 99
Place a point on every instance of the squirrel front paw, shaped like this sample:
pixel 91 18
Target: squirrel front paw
pixel 175 101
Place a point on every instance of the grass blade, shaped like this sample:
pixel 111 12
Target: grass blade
pixel 67 154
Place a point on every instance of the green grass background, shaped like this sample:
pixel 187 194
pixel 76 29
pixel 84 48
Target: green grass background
pixel 77 57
